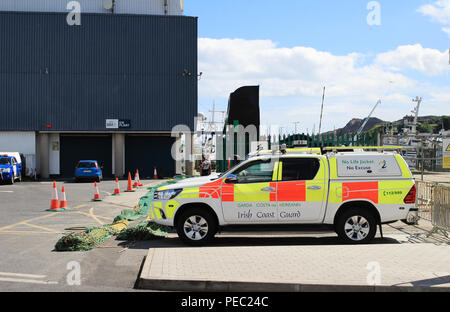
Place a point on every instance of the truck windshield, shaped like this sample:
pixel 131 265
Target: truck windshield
pixel 5 161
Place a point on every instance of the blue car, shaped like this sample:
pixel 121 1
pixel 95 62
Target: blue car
pixel 10 169
pixel 88 170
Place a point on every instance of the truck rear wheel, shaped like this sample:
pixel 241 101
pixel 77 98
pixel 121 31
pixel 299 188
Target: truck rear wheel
pixel 356 226
pixel 196 226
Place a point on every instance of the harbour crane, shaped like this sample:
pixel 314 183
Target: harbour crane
pixel 366 120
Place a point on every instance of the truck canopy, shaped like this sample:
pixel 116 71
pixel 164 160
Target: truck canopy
pixel 367 165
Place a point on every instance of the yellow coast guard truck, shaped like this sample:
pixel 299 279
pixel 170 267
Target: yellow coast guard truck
pixel 351 192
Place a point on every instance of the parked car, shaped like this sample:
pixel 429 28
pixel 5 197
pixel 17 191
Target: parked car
pixel 88 170
pixel 10 169
pixel 349 192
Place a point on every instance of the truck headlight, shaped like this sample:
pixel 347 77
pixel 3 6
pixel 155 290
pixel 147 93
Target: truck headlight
pixel 167 194
pixel 7 170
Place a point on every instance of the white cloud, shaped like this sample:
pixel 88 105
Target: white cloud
pixel 446 30
pixel 298 71
pixel 427 61
pixel 292 79
pixel 438 11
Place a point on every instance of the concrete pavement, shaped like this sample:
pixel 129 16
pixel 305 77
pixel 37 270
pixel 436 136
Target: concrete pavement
pixel 375 267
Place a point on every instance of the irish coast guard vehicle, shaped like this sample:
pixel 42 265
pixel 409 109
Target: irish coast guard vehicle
pixel 351 191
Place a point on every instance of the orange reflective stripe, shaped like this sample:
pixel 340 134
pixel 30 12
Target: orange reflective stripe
pixel 227 192
pixel 360 190
pixel 291 191
pixel 273 195
pixel 210 190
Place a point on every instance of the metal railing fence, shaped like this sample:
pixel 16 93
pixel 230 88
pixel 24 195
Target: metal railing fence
pixel 440 214
pixel 433 202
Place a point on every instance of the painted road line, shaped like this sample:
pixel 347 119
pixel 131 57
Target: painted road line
pixel 22 275
pixel 91 213
pixel 20 278
pixel 29 220
pixel 25 232
pixel 79 206
pixel 6 191
pixel 90 216
pixel 41 228
pixel 103 217
pixel 29 281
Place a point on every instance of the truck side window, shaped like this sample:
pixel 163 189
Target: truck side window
pixel 300 169
pixel 255 172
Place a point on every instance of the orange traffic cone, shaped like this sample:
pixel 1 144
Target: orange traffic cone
pixel 97 193
pixel 155 174
pixel 54 204
pixel 63 204
pixel 130 185
pixel 138 179
pixel 135 182
pixel 117 189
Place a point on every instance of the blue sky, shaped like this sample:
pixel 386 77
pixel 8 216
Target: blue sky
pixel 340 30
pixel 338 26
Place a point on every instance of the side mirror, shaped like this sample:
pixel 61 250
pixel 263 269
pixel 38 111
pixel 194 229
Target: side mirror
pixel 231 178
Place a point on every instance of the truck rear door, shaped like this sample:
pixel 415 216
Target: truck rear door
pixel 302 189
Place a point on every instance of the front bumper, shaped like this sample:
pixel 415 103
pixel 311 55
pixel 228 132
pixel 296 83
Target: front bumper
pixel 159 214
pixel 164 222
pixel 6 175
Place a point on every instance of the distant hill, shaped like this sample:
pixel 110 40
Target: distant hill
pixel 431 124
pixel 353 125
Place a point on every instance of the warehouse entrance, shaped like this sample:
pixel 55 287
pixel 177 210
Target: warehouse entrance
pixel 145 152
pixel 85 147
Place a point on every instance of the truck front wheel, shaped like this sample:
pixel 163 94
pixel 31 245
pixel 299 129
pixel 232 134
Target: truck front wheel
pixel 356 226
pixel 196 226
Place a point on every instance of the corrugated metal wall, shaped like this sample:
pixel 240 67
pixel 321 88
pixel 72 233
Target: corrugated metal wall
pixel 95 6
pixel 111 67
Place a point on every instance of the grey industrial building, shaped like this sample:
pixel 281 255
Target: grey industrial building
pixel 110 89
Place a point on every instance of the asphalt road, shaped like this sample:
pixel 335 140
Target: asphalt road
pixel 28 235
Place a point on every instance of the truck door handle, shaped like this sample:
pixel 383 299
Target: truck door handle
pixel 268 189
pixel 315 188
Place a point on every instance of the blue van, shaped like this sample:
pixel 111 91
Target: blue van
pixel 10 169
pixel 88 170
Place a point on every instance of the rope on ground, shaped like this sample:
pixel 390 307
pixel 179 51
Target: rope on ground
pixel 143 231
pixel 91 237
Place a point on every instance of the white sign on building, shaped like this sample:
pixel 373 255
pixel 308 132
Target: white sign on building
pixel 112 123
